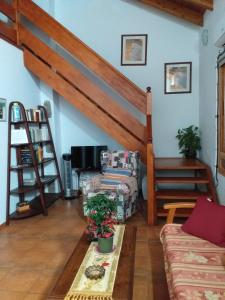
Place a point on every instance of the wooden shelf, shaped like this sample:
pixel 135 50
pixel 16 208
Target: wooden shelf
pixel 29 166
pixel 33 143
pixel 48 179
pixel 29 188
pixel 29 122
pixel 36 208
pixel 40 203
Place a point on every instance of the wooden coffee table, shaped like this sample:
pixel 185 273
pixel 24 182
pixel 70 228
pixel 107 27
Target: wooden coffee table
pixel 123 287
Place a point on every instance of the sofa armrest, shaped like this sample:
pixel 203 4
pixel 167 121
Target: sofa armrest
pixel 172 207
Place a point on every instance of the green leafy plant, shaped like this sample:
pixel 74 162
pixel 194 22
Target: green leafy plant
pixel 189 141
pixel 101 215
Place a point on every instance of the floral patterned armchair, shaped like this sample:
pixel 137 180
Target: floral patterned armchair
pixel 119 180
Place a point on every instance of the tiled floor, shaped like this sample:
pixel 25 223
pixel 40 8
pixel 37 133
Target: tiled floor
pixel 33 252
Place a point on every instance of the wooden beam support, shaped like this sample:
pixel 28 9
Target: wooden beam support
pixel 76 78
pixel 201 4
pixel 8 10
pixel 178 10
pixel 82 103
pixel 125 87
pixel 8 32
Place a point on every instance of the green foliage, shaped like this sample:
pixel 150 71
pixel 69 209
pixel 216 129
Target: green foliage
pixel 101 212
pixel 189 141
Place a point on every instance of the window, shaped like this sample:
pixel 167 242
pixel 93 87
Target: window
pixel 221 110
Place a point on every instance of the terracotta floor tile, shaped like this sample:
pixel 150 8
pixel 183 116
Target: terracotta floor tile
pixel 7 258
pixel 10 295
pixel 33 252
pixel 45 282
pixel 4 272
pixel 34 259
pixel 19 280
pixel 34 296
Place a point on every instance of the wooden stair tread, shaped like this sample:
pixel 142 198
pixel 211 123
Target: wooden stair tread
pixel 179 194
pixel 180 180
pixel 178 163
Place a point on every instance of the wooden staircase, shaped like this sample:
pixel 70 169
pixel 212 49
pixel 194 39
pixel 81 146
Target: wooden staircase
pixel 70 83
pixel 189 177
pixel 62 76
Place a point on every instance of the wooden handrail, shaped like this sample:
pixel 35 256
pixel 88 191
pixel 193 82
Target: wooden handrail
pixel 8 10
pixel 93 112
pixel 75 77
pixel 151 206
pixel 82 52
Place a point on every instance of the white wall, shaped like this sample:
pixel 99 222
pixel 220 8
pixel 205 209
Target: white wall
pixel 16 83
pixel 215 24
pixel 100 24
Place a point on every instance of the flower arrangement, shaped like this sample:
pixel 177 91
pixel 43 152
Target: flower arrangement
pixel 101 217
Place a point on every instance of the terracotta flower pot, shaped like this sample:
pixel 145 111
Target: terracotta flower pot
pixel 105 245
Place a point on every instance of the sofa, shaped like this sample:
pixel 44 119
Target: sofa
pixel 195 266
pixel 118 180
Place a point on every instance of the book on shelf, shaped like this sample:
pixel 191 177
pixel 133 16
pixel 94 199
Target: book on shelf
pixel 39 134
pixel 19 136
pixel 26 157
pixel 35 115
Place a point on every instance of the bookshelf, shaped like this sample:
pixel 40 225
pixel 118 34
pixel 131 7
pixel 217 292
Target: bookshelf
pixel 28 135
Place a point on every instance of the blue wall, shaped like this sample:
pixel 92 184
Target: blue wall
pixel 215 24
pixel 100 24
pixel 16 83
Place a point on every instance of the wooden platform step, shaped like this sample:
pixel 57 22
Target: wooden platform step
pixel 162 163
pixel 181 194
pixel 181 180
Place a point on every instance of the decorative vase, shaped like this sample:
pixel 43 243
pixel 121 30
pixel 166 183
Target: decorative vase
pixel 105 245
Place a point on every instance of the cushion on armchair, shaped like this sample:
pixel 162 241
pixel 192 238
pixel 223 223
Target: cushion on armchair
pixel 122 159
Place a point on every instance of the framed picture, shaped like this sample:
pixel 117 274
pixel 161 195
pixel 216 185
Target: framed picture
pixel 2 109
pixel 178 77
pixel 134 49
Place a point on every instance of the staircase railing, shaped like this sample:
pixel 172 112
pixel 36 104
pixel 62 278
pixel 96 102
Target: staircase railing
pixel 70 83
pixel 78 49
pixel 151 205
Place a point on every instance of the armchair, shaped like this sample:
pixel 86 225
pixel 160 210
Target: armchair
pixel 119 180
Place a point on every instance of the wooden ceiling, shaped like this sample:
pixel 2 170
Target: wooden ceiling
pixel 189 10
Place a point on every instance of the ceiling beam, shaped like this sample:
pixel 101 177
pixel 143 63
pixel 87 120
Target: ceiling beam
pixel 178 10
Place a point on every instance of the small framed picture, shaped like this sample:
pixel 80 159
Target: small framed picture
pixel 2 109
pixel 134 49
pixel 177 78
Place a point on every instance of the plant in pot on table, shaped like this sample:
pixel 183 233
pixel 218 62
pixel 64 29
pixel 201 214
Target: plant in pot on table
pixel 101 218
pixel 189 141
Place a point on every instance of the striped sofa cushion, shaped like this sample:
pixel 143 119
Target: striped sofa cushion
pixel 109 183
pixel 117 173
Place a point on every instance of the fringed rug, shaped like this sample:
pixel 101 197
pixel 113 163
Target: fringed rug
pixel 84 288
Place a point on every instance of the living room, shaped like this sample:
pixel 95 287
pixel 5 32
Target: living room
pixel 169 40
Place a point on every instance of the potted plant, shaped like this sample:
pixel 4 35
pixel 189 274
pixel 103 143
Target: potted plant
pixel 189 141
pixel 101 213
